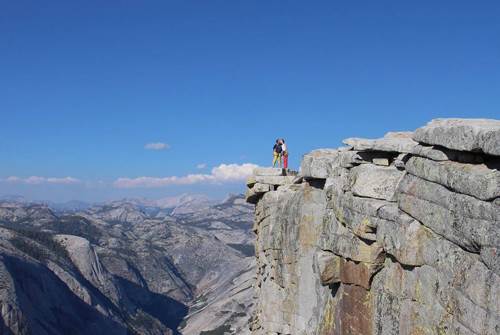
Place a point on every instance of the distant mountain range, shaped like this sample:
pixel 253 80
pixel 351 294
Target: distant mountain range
pixel 177 265
pixel 194 201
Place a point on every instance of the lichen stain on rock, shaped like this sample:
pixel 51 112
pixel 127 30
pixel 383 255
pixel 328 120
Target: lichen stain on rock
pixel 355 311
pixel 308 232
pixel 327 324
pixel 421 331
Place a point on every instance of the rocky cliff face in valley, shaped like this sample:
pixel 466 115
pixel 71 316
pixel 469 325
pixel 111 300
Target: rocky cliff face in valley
pixel 128 267
pixel 398 235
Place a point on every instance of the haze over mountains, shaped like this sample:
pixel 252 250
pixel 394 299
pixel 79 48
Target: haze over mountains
pixel 134 266
pixel 142 203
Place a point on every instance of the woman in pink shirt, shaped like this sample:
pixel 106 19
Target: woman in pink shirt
pixel 284 153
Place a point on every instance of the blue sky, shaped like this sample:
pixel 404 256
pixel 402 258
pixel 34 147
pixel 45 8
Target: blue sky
pixel 85 85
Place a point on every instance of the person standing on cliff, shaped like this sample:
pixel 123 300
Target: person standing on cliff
pixel 277 153
pixel 284 153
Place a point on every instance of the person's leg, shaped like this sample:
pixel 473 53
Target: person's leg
pixel 275 159
pixel 285 161
pixel 281 160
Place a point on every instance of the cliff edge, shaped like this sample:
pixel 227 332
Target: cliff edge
pixel 398 235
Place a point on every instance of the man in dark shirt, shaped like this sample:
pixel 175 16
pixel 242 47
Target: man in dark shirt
pixel 277 153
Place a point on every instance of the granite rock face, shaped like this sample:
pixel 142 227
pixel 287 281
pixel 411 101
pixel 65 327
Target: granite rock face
pixel 398 235
pixel 392 142
pixel 478 135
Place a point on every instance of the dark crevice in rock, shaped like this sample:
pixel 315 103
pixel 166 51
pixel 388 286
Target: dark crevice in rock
pixel 368 156
pixel 365 240
pixel 334 288
pixel 406 267
pixel 370 282
pixel 492 163
pixel 316 183
pixel 468 157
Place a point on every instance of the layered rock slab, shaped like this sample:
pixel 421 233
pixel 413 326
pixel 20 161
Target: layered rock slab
pixel 392 142
pixel 478 180
pixel 474 135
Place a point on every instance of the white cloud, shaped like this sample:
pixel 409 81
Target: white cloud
pixel 156 146
pixel 220 174
pixel 201 166
pixel 36 180
pixel 230 172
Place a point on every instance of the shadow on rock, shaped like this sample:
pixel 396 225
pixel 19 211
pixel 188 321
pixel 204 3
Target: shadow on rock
pixel 168 311
pixel 50 307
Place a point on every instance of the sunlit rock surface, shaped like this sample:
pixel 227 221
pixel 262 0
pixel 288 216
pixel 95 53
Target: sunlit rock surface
pixel 398 235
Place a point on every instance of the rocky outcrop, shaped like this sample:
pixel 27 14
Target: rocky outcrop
pixel 398 235
pixel 17 213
